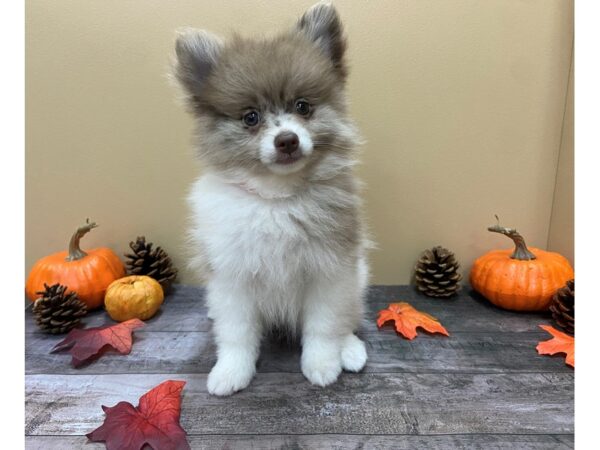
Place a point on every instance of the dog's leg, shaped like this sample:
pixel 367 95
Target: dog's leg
pixel 237 334
pixel 331 313
pixel 354 353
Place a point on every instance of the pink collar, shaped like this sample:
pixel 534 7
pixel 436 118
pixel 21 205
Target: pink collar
pixel 244 187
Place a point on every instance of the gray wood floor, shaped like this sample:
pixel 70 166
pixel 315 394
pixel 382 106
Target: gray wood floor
pixel 483 387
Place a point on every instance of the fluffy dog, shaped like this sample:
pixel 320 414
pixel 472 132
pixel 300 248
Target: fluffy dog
pixel 276 223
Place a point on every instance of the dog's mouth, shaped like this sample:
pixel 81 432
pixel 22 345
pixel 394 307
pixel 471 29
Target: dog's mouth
pixel 287 159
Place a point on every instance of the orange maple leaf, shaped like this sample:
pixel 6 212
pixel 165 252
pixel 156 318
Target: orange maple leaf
pixel 407 319
pixel 560 343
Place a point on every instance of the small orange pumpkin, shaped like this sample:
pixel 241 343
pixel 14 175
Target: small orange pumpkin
pixel 521 280
pixel 88 274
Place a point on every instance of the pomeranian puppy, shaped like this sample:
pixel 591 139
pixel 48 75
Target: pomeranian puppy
pixel 276 224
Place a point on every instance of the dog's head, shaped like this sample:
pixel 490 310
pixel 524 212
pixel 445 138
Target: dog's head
pixel 271 105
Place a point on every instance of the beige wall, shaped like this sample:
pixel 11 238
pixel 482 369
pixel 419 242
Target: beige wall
pixel 562 225
pixel 461 102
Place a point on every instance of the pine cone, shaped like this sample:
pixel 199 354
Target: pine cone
pixel 56 311
pixel 436 273
pixel 153 263
pixel 562 307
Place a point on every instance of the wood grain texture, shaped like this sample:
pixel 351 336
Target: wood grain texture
pixel 195 352
pixel 333 441
pixel 483 387
pixel 184 310
pixel 275 403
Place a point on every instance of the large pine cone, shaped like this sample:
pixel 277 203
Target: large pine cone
pixel 56 312
pixel 562 307
pixel 436 273
pixel 153 263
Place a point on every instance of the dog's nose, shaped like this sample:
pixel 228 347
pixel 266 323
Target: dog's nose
pixel 286 142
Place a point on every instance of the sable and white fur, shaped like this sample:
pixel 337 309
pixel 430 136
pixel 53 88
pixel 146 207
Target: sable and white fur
pixel 281 245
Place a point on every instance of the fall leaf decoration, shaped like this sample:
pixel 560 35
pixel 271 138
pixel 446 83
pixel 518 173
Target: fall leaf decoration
pixel 155 421
pixel 560 343
pixel 408 319
pixel 84 344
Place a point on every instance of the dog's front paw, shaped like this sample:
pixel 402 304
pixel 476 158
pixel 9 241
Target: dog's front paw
pixel 227 377
pixel 321 365
pixel 354 354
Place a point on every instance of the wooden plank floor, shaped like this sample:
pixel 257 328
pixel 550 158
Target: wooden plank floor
pixel 483 387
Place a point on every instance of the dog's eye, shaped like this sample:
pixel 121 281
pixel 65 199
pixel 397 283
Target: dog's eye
pixel 302 107
pixel 251 118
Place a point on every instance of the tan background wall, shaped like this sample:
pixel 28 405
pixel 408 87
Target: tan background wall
pixel 461 102
pixel 562 230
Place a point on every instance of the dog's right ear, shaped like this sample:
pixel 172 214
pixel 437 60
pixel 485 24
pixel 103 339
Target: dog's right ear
pixel 197 52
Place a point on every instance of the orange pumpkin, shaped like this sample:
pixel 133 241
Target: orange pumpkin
pixel 88 274
pixel 523 279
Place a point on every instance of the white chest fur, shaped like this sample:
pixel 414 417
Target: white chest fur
pixel 245 235
pixel 271 247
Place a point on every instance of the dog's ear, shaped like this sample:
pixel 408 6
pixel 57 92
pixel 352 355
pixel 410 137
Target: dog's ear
pixel 322 25
pixel 197 52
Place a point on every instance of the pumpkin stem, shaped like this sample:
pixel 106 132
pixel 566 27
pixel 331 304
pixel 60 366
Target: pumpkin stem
pixel 75 252
pixel 521 252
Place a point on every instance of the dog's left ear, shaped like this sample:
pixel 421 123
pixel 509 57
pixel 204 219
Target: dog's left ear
pixel 322 25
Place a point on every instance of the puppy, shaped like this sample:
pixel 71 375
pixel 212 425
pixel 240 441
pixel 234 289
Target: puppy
pixel 276 224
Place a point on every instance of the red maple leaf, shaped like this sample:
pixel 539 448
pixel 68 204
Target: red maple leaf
pixel 407 319
pixel 560 343
pixel 154 422
pixel 86 343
